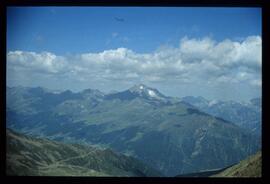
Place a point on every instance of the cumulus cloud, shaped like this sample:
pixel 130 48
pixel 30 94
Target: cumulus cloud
pixel 37 62
pixel 193 61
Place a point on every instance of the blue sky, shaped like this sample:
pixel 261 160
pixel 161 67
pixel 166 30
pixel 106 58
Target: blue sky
pixel 79 30
pixel 96 47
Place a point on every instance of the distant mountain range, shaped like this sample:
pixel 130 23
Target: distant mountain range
pixel 246 115
pixel 166 133
pixel 28 156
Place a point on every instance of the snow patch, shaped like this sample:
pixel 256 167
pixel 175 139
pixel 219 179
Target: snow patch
pixel 213 102
pixel 152 93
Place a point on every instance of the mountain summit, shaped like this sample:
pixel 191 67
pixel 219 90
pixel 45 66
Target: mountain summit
pixel 141 91
pixel 145 91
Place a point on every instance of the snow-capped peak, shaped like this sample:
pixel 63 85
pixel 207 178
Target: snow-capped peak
pixel 151 93
pixel 212 102
pixel 143 90
pixel 138 88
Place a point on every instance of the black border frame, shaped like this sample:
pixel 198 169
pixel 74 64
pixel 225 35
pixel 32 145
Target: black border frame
pixel 143 3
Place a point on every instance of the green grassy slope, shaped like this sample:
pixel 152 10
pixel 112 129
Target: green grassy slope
pixel 250 167
pixel 40 157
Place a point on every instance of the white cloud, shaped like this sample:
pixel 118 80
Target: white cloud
pixel 195 61
pixel 194 50
pixel 43 62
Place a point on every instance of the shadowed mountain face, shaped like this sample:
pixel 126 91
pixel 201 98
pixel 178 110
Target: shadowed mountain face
pixel 163 132
pixel 40 157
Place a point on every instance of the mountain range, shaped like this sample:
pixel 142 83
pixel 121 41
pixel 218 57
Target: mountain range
pixel 168 134
pixel 246 115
